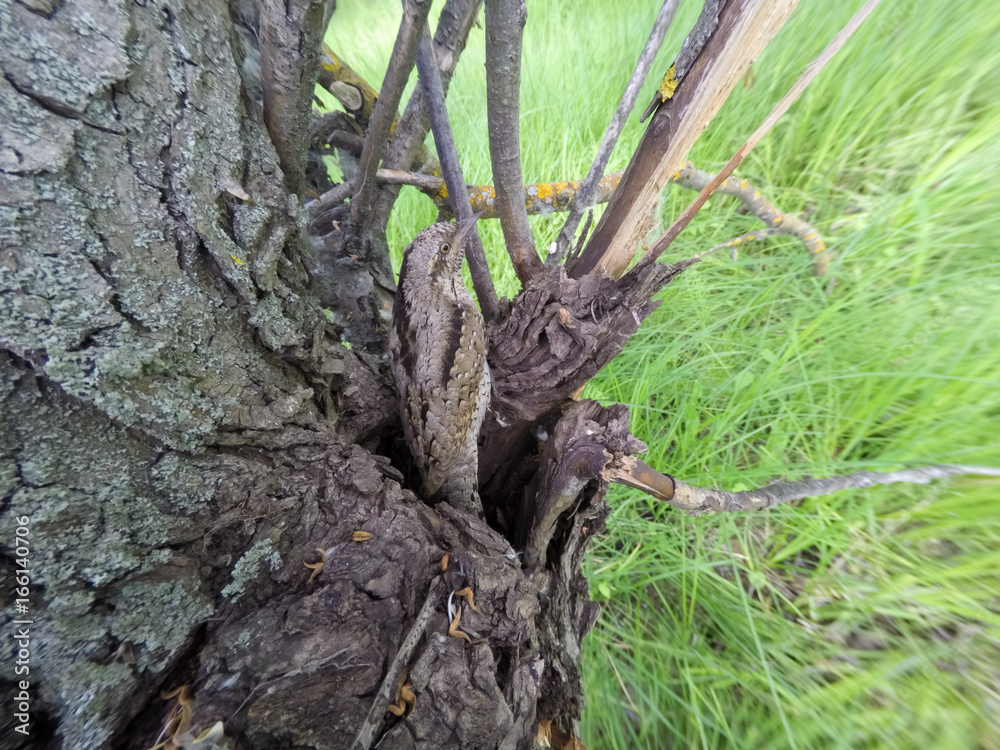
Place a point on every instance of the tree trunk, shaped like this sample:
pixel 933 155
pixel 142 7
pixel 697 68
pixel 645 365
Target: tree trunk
pixel 183 428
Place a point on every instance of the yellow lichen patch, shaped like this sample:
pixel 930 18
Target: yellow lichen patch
pixel 743 184
pixel 329 61
pixel 544 191
pixel 669 84
pixel 756 195
pixel 676 175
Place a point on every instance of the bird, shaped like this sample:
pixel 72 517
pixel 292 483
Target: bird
pixel 437 351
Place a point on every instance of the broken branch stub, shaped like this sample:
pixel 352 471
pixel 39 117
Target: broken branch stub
pixel 584 199
pixel 742 28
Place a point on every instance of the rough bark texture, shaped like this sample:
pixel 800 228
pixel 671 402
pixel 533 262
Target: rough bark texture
pixel 184 428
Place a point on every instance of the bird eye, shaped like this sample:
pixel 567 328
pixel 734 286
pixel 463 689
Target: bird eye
pixel 445 247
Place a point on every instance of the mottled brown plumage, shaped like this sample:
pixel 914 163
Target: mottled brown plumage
pixel 438 350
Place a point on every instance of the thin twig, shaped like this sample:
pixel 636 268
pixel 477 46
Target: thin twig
pixel 811 71
pixel 700 499
pixel 735 242
pixel 504 24
pixel 366 734
pixel 404 53
pixel 583 198
pixel 430 80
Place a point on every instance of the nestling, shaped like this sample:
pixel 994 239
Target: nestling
pixel 437 347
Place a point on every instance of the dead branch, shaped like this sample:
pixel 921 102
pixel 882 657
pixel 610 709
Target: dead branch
pixel 727 44
pixel 811 71
pixel 430 81
pixel 548 197
pixel 404 54
pixel 504 24
pixel 692 178
pixel 584 199
pixel 287 75
pixel 381 703
pixel 686 497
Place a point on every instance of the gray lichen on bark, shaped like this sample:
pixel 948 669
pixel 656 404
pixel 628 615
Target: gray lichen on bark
pixel 183 426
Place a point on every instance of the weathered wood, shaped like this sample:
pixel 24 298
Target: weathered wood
pixel 727 38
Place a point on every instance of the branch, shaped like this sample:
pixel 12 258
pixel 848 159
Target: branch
pixel 353 92
pixel 504 23
pixel 692 178
pixel 584 199
pixel 430 81
pixel 699 499
pixel 290 34
pixel 811 71
pixel 407 150
pixel 547 197
pixel 376 713
pixel 400 64
pixel 721 47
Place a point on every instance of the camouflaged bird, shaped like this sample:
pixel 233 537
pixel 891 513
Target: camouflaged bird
pixel 437 346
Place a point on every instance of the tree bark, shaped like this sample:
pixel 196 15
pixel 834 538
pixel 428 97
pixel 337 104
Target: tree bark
pixel 196 410
pixel 184 426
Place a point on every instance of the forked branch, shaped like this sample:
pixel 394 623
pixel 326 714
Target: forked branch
pixel 404 53
pixel 691 499
pixel 504 24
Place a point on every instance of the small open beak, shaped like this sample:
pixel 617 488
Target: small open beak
pixel 465 228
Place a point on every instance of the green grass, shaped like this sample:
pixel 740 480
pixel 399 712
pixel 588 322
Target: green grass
pixel 862 619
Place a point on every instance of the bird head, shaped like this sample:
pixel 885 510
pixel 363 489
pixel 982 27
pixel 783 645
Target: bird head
pixel 437 252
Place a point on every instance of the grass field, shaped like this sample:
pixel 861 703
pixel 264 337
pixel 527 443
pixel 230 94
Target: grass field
pixel 862 619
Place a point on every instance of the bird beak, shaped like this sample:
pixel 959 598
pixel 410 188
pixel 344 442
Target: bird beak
pixel 465 228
